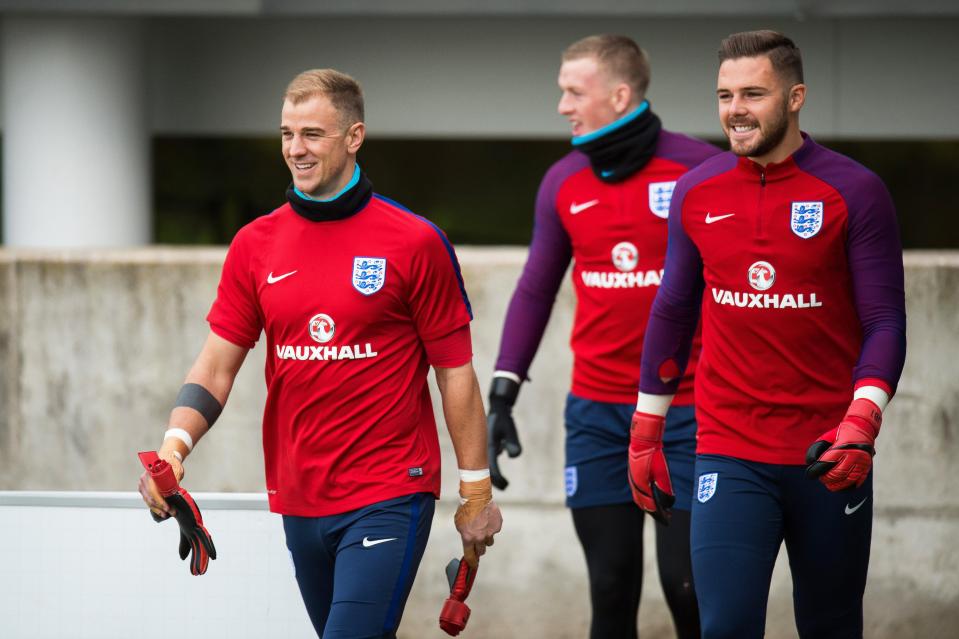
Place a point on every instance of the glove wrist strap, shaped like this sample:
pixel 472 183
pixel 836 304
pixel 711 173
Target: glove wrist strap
pixel 504 389
pixel 866 411
pixel 647 427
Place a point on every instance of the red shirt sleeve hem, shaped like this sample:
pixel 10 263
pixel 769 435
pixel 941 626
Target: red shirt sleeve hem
pixel 232 337
pixel 452 350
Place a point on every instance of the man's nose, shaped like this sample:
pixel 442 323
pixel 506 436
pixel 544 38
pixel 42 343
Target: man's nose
pixel 296 145
pixel 737 105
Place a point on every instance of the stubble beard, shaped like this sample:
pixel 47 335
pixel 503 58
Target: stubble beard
pixel 775 134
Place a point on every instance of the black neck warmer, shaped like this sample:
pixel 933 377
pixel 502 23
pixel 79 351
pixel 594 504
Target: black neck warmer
pixel 623 149
pixel 342 207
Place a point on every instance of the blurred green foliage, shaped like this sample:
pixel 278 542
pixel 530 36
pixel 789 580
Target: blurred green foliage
pixel 480 191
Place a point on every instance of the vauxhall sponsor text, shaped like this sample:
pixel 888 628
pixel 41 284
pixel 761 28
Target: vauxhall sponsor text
pixel 597 279
pixel 325 353
pixel 765 300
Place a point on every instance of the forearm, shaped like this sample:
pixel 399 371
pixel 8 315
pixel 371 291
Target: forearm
pixel 675 312
pixel 465 419
pixel 214 371
pixel 874 255
pixel 529 309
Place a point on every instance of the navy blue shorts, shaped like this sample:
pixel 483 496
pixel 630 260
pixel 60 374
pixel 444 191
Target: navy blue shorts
pixel 355 570
pixel 597 440
pixel 742 513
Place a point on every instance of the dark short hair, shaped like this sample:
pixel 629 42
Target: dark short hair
pixel 619 55
pixel 782 52
pixel 343 92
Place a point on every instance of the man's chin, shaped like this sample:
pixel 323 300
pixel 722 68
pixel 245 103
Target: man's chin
pixel 305 187
pixel 743 150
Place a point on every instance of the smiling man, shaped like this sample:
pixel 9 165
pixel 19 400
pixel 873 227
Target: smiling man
pixel 357 298
pixel 604 206
pixel 792 253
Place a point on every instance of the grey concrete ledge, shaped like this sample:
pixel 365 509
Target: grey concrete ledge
pixel 214 254
pixel 931 257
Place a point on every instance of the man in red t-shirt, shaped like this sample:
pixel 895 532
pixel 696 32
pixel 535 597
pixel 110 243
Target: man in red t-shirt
pixel 357 298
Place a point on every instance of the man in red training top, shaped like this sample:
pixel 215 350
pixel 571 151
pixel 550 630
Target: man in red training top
pixel 357 297
pixel 792 252
pixel 604 206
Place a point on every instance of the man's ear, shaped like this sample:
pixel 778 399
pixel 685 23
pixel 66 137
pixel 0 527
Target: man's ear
pixel 797 97
pixel 622 97
pixel 355 136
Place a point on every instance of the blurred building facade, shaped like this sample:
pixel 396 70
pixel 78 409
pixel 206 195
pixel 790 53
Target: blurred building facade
pixel 86 84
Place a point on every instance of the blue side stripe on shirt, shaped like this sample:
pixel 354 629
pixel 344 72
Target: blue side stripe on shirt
pixel 390 623
pixel 446 243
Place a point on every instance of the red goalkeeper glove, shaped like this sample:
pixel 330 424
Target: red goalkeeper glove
pixel 648 474
pixel 194 538
pixel 455 612
pixel 842 457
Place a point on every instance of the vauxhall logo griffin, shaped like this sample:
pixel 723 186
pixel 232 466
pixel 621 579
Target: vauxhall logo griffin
pixel 321 328
pixel 761 276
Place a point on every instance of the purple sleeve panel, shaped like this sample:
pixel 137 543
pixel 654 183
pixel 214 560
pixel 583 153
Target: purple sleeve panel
pixel 875 262
pixel 549 255
pixel 684 149
pixel 675 311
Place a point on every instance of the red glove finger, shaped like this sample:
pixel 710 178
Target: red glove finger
pixel 648 474
pixel 842 457
pixel 455 612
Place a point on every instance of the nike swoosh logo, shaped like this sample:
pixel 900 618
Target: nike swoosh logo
pixel 575 208
pixel 711 220
pixel 273 280
pixel 850 511
pixel 367 543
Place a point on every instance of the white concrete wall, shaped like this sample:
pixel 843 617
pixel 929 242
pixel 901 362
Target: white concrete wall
pixel 94 345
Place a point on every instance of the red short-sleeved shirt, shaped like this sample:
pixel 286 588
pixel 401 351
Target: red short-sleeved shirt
pixel 346 306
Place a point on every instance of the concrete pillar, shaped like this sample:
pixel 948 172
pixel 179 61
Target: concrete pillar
pixel 76 152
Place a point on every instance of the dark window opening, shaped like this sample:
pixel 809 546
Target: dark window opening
pixel 481 191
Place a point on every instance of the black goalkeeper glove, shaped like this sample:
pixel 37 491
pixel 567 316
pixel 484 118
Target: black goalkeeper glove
pixel 501 429
pixel 194 537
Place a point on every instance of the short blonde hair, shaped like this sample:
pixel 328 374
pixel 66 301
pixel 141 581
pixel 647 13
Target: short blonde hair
pixel 343 92
pixel 620 57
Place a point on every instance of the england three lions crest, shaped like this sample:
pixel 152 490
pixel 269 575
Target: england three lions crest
pixel 660 196
pixel 806 219
pixel 369 274
pixel 707 487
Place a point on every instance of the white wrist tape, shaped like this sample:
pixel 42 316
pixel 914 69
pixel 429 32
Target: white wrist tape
pixel 182 435
pixel 508 375
pixel 473 475
pixel 876 395
pixel 654 404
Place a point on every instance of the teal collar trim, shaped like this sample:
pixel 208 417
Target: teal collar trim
pixel 612 126
pixel 349 185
